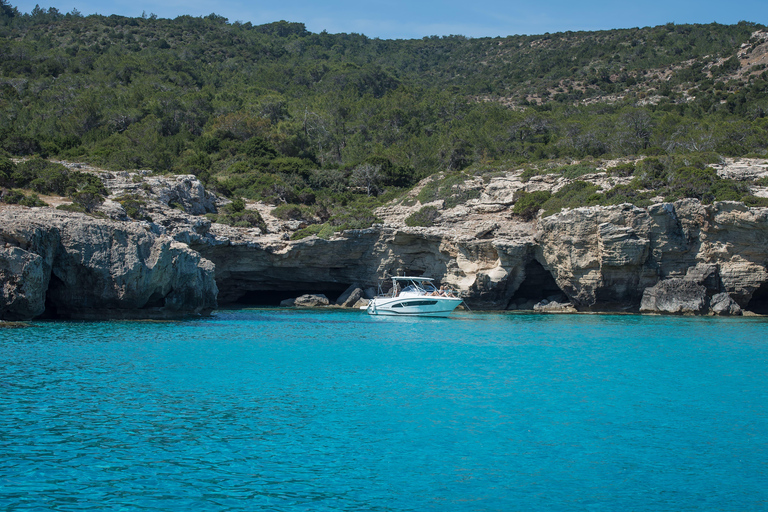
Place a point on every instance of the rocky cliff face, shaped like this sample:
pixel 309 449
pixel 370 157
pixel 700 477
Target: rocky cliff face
pixel 599 259
pixel 75 266
pixel 595 259
pixel 607 257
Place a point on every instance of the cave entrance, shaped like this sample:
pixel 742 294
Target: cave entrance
pixel 537 286
pixel 759 301
pixel 52 309
pixel 273 296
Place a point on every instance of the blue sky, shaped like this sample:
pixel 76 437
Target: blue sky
pixel 402 19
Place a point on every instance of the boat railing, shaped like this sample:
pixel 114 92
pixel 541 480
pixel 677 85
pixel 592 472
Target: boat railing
pixel 418 288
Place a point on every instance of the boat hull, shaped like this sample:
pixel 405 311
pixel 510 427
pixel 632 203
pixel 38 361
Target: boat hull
pixel 413 306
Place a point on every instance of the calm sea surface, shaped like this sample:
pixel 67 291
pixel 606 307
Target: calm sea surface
pixel 298 410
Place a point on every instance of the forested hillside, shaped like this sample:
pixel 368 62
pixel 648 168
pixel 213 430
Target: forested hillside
pixel 330 123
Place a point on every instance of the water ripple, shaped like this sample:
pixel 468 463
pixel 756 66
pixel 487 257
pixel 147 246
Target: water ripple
pixel 292 411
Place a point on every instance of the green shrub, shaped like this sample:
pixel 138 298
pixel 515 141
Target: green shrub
pixel 572 172
pixel 573 195
pixel 528 204
pixel 18 197
pixel 425 217
pixel 312 229
pixel 12 196
pixel 324 231
pixel 257 147
pixel 460 197
pixel 429 192
pixel 32 201
pixel 621 194
pixel 45 177
pixel 292 212
pixel 529 173
pixel 356 216
pixel 623 170
pixel 703 184
pixel 237 205
pixel 196 164
pixel 89 198
pixel 7 168
pixel 755 201
pixel 448 188
pixel 240 219
pixel 134 206
pixel 71 208
pixel 650 174
pixel 292 165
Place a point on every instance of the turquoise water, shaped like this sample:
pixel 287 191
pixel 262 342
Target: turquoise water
pixel 297 410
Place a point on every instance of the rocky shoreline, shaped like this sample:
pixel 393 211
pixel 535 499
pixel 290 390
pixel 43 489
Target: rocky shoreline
pixel 670 258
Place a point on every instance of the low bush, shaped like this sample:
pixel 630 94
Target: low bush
pixel 240 219
pixel 324 231
pixel 134 207
pixel 293 212
pixel 573 195
pixel 46 177
pixel 89 198
pixel 425 217
pixel 450 189
pixel 623 170
pixel 528 204
pixel 18 197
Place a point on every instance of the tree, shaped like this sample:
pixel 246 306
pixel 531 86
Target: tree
pixel 369 177
pixel 637 129
pixel 7 10
pixel 88 198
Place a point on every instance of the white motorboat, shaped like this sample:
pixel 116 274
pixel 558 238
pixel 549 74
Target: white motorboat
pixel 414 296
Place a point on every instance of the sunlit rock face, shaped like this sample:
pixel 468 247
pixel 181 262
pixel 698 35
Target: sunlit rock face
pixel 591 259
pixel 607 257
pixel 75 266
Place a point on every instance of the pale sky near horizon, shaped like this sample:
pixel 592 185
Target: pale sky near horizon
pixel 402 19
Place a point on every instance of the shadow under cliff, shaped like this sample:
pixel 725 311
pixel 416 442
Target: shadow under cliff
pixel 537 286
pixel 759 301
pixel 274 295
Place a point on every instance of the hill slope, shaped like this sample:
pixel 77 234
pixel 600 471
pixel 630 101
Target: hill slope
pixel 330 122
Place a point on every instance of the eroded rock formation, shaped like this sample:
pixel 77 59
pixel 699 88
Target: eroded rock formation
pixel 585 259
pixel 607 257
pixel 76 266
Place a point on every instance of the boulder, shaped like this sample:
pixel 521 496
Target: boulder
pixel 311 300
pixel 350 296
pixel 707 275
pixel 546 306
pixel 722 304
pixel 22 284
pixel 675 296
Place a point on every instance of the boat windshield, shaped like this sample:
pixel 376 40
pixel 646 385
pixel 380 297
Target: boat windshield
pixel 419 287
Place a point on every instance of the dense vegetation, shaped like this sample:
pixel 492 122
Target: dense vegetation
pixel 332 124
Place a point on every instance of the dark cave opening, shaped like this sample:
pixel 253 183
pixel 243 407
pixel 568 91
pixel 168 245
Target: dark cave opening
pixel 537 286
pixel 156 300
pixel 759 301
pixel 52 310
pixel 273 296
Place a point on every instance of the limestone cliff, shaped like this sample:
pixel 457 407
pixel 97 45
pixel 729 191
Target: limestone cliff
pixel 595 259
pixel 76 266
pixel 606 257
